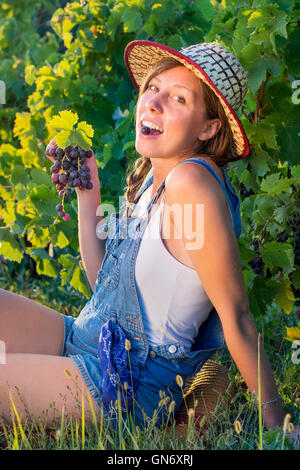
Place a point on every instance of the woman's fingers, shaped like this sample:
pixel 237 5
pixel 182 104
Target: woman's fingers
pixel 51 144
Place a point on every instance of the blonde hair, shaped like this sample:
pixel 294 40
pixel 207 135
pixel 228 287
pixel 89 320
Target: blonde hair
pixel 220 148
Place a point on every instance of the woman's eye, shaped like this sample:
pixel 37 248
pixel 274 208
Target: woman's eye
pixel 179 99
pixel 153 87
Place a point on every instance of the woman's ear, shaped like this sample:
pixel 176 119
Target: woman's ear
pixel 210 129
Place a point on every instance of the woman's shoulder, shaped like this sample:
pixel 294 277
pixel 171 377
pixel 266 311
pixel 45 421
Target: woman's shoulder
pixel 192 175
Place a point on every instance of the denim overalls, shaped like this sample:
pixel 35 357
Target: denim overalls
pixel 115 298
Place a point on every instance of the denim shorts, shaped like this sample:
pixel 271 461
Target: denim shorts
pixel 86 362
pixel 150 394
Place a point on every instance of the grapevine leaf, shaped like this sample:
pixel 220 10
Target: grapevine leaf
pixel 66 275
pixel 273 184
pixel 277 254
pixel 39 253
pixel 9 247
pixel 63 139
pixel 79 138
pixel 65 121
pixel 60 240
pixel 284 297
pixel 292 333
pixel 20 224
pixel 295 278
pixel 79 282
pixel 68 260
pixel 40 176
pixel 86 128
pixel 46 267
pixel 295 171
pixel 18 175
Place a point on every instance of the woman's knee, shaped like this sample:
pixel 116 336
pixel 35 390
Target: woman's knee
pixel 28 326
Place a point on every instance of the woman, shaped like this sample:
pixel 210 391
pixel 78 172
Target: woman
pixel 170 284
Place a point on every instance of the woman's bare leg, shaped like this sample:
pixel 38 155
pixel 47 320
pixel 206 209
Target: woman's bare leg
pixel 36 381
pixel 29 327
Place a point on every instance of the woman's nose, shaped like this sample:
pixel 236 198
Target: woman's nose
pixel 154 103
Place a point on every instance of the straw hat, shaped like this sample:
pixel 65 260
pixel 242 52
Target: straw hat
pixel 205 393
pixel 212 63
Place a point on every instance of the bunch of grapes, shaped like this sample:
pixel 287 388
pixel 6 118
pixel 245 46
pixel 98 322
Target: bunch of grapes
pixel 69 171
pixel 257 263
pixel 296 230
pixel 244 190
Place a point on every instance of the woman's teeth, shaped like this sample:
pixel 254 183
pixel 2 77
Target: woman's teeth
pixel 151 126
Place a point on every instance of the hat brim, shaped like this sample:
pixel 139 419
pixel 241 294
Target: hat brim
pixel 141 55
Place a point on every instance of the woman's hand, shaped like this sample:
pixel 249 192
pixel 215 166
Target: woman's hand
pixel 90 162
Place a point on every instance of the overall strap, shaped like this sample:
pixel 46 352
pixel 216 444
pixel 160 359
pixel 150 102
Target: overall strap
pixel 235 216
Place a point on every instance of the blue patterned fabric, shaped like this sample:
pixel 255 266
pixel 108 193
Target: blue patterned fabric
pixel 115 368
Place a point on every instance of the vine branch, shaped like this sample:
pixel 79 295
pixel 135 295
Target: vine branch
pixel 260 96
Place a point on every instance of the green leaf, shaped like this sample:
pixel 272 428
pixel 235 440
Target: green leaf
pixel 60 240
pixel 259 163
pixel 107 153
pixel 18 174
pixel 40 177
pixel 86 128
pixel 284 297
pixel 79 138
pixel 295 278
pixel 9 247
pixel 259 297
pixel 129 146
pixel 295 171
pixel 277 254
pixel 65 121
pixel 280 214
pixel 78 281
pixel 63 139
pixel 30 74
pixel 20 224
pixel 39 253
pixel 46 267
pixel 274 184
pixel 44 200
pixel 68 260
pixel 132 20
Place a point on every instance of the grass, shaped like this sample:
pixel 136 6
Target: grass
pixel 234 427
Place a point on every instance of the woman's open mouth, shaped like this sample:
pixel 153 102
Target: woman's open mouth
pixel 147 128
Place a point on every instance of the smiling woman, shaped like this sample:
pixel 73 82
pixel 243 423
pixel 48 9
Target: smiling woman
pixel 167 283
pixel 219 149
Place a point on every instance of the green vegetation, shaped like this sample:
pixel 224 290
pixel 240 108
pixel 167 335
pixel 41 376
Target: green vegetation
pixel 58 56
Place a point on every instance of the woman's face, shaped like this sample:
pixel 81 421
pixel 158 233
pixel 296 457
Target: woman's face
pixel 173 101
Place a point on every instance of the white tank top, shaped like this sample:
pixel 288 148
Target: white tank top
pixel 171 295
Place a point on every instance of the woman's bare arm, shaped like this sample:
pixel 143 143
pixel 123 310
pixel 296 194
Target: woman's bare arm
pixel 218 265
pixel 91 247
